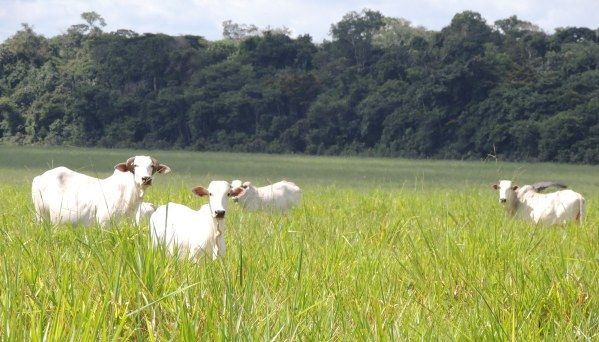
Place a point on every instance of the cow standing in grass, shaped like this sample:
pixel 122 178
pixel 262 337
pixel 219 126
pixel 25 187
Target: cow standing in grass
pixel 528 203
pixel 194 232
pixel 62 195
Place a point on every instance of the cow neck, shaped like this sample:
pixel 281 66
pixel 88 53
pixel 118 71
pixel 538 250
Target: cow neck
pixel 130 196
pixel 216 234
pixel 140 192
pixel 512 203
pixel 216 231
pixel 253 199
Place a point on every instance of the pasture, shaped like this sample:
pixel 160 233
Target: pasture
pixel 379 249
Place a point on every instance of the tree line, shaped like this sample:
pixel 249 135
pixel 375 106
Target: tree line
pixel 380 86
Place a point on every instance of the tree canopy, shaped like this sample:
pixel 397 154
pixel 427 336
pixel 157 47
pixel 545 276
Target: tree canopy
pixel 380 86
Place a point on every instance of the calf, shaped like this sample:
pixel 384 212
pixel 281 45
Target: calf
pixel 194 231
pixel 62 195
pixel 145 209
pixel 559 207
pixel 280 196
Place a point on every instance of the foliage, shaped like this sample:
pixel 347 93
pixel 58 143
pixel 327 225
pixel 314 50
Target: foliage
pixel 380 86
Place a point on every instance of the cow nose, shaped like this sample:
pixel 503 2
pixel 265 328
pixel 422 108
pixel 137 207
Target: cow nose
pixel 502 200
pixel 146 180
pixel 219 213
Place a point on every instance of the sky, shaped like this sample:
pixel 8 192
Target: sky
pixel 314 17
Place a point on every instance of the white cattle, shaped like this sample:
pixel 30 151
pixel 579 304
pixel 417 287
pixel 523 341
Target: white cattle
pixel 62 195
pixel 280 196
pixel 236 183
pixel 192 232
pixel 559 207
pixel 145 209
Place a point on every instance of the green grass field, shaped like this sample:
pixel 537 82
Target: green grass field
pixel 379 249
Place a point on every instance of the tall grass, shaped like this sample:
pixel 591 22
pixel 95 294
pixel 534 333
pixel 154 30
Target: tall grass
pixel 361 258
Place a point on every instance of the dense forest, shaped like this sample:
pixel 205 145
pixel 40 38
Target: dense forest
pixel 380 86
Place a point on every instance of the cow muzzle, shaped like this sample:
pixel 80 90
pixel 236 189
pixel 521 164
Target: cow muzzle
pixel 502 200
pixel 146 180
pixel 219 214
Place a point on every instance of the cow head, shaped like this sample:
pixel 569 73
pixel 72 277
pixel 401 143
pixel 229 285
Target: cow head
pixel 506 190
pixel 244 190
pixel 143 169
pixel 218 193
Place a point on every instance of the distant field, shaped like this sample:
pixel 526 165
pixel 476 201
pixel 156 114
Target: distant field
pixel 20 164
pixel 379 249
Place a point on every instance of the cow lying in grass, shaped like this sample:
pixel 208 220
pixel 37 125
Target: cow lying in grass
pixel 62 195
pixel 528 203
pixel 280 196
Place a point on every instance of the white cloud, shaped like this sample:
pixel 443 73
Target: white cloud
pixel 204 17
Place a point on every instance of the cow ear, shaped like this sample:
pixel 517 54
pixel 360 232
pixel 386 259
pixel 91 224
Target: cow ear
pixel 162 168
pixel 126 166
pixel 200 191
pixel 121 167
pixel 515 187
pixel 236 191
pixel 495 186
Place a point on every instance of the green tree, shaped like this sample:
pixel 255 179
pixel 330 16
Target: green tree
pixel 353 35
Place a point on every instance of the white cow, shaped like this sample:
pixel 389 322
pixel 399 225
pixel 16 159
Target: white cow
pixel 194 231
pixel 236 183
pixel 280 196
pixel 526 202
pixel 145 209
pixel 62 195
